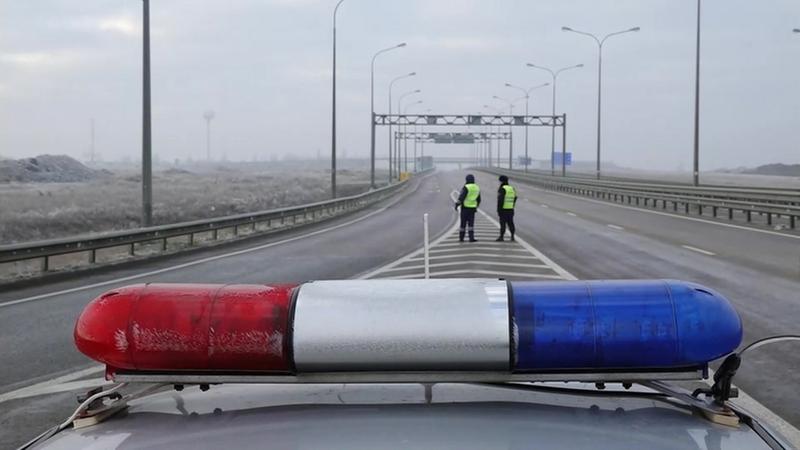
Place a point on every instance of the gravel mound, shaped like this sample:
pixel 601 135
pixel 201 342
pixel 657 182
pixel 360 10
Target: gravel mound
pixel 47 169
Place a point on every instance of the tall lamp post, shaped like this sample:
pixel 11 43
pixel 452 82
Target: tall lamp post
pixel 497 111
pixel 391 86
pixel 209 115
pixel 399 110
pixel 372 111
pixel 510 129
pixel 696 165
pixel 333 114
pixel 600 42
pixel 147 168
pixel 554 74
pixel 405 141
pixel 527 93
pixel 421 143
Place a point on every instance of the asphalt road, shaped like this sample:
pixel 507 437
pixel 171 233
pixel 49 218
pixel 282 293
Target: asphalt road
pixel 36 336
pixel 759 272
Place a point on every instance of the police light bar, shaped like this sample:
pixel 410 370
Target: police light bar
pixel 491 329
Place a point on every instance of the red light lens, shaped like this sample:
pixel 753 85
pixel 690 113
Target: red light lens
pixel 162 327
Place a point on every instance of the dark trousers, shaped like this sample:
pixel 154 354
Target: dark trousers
pixel 507 220
pixel 467 223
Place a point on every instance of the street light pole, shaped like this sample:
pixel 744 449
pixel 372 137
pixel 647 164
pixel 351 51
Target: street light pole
pixel 527 93
pixel 422 142
pixel 333 114
pixel 405 141
pixel 391 86
pixel 147 151
pixel 399 110
pixel 696 169
pixel 600 42
pixel 554 74
pixel 510 128
pixel 497 111
pixel 372 111
pixel 209 115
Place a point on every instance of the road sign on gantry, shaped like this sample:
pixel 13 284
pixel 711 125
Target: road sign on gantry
pixel 559 157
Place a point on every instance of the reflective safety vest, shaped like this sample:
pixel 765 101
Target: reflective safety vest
pixel 473 191
pixel 511 195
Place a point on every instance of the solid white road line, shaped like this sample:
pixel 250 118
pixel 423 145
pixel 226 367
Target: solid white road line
pixel 674 216
pixel 419 257
pixel 416 253
pixel 490 273
pixel 615 227
pixel 461 263
pixel 698 250
pixel 48 386
pixel 556 268
pixel 478 246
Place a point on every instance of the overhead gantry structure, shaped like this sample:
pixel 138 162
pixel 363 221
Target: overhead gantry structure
pixel 473 120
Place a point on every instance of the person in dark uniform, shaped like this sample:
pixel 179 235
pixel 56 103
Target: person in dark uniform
pixel 468 200
pixel 506 201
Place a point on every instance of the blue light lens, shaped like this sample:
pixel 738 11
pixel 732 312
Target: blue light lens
pixel 620 325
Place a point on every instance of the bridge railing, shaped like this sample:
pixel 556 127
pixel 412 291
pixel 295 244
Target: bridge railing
pixel 733 204
pixel 78 251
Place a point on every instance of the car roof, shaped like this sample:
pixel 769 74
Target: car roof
pixel 400 415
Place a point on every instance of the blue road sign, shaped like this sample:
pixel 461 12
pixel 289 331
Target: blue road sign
pixel 558 158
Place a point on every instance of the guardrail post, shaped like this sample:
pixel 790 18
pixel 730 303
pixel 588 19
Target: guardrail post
pixel 730 213
pixel 769 218
pixel 686 208
pixel 45 264
pixel 132 250
pixel 714 211
pixel 164 245
pixel 699 209
pixel 792 222
pixel 749 215
pixel 92 256
pixel 191 239
pixel 214 234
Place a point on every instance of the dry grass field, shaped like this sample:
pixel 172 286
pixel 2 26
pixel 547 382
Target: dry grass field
pixel 38 211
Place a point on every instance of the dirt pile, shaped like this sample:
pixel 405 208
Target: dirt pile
pixel 47 169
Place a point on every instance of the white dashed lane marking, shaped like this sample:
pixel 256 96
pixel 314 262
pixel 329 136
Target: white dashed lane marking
pixel 615 227
pixel 698 250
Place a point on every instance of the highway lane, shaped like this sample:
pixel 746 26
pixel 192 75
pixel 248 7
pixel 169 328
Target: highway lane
pixel 758 272
pixel 37 336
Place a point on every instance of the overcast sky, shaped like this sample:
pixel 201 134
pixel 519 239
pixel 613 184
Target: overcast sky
pixel 264 67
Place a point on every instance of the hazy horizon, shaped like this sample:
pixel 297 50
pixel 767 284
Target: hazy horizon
pixel 264 68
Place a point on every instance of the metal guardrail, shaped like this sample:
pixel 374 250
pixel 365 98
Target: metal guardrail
pixel 755 194
pixel 258 222
pixel 739 203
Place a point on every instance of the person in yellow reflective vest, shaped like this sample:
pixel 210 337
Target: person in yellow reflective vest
pixel 506 201
pixel 468 200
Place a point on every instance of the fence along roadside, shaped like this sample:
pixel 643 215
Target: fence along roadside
pixel 85 250
pixel 740 204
